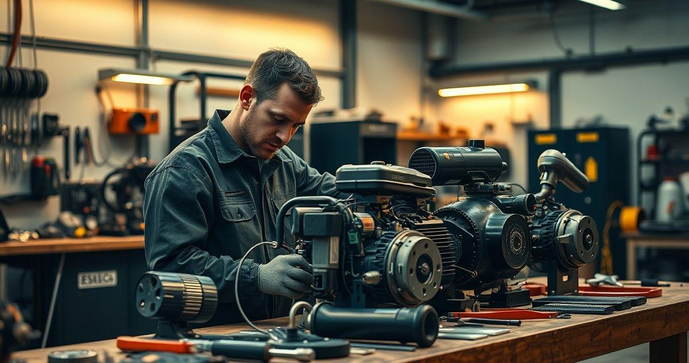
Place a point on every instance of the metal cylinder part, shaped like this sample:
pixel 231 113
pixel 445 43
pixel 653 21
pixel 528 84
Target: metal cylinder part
pixel 177 297
pixel 419 324
pixel 458 165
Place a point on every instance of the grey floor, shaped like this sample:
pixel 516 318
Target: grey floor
pixel 636 354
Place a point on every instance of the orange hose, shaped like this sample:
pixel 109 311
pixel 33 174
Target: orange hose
pixel 17 31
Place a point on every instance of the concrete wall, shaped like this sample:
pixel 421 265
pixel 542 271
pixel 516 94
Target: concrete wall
pixel 389 62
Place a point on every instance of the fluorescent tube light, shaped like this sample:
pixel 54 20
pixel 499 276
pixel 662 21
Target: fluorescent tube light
pixel 140 76
pixel 608 4
pixel 484 90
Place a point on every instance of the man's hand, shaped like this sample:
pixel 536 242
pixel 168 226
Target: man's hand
pixel 285 275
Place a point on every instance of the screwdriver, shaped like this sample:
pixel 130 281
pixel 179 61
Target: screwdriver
pixel 233 349
pixel 648 282
pixel 251 350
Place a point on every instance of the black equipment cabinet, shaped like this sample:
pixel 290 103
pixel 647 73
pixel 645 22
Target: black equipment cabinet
pixel 95 299
pixel 603 154
pixel 334 144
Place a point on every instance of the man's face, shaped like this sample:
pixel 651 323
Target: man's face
pixel 269 125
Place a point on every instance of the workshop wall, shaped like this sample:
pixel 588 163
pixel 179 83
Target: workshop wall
pixel 72 79
pixel 388 80
pixel 622 96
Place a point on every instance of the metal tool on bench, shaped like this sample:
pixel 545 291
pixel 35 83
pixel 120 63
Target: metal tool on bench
pixel 577 304
pixel 475 330
pixel 602 279
pixel 613 280
pixel 511 322
pixel 577 308
pixel 462 336
pixel 235 349
pixel 177 300
pixel 618 303
pixel 462 327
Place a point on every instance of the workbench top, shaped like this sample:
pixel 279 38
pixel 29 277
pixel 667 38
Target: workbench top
pixel 663 321
pixel 71 245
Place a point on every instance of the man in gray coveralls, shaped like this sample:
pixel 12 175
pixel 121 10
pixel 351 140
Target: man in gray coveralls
pixel 218 193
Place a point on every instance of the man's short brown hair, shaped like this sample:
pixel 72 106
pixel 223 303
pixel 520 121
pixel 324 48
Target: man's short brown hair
pixel 279 65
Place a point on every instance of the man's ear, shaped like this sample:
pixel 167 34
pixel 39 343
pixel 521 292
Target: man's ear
pixel 246 96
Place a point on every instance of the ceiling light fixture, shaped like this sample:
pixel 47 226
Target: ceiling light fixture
pixel 140 76
pixel 486 89
pixel 608 4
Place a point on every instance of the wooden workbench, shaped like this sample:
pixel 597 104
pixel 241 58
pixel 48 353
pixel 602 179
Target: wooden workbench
pixel 663 321
pixel 71 245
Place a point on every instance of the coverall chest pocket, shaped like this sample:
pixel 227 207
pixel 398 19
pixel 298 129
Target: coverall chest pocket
pixel 239 223
pixel 238 211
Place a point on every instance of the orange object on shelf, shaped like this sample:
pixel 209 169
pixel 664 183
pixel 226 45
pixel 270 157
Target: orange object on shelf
pixel 134 121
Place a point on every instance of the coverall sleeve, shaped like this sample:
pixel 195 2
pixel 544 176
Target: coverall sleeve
pixel 178 212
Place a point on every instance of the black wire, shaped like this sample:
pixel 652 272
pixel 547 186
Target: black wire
pixel 568 52
pixel 520 187
pixel 592 32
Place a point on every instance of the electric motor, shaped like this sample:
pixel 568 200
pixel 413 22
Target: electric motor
pixel 565 236
pixel 494 245
pixel 176 297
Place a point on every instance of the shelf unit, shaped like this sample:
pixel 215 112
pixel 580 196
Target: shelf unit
pixel 665 141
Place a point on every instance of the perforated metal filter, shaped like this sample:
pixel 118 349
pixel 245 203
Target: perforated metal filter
pixel 422 160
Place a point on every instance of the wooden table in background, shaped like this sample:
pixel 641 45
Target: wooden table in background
pixel 70 245
pixel 664 241
pixel 662 321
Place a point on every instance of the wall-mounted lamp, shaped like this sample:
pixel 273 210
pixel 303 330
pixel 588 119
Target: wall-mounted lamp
pixel 140 76
pixel 608 4
pixel 487 89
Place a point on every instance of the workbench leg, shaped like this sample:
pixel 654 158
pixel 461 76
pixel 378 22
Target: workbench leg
pixel 631 260
pixel 672 349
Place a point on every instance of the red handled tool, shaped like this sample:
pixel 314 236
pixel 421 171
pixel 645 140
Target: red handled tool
pixel 131 344
pixel 508 314
pixel 648 292
pixel 536 289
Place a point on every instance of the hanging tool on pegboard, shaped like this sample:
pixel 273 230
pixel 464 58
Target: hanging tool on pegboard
pixel 19 132
pixel 19 87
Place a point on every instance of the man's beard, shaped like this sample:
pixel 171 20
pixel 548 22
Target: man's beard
pixel 245 129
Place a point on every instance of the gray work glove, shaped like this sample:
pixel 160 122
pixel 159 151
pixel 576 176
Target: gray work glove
pixel 285 275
